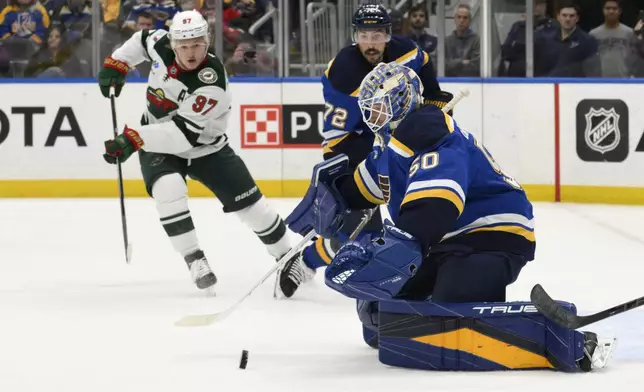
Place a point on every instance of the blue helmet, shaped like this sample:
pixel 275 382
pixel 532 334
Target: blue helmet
pixel 387 94
pixel 371 16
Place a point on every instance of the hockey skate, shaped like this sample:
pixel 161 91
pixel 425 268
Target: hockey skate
pixel 291 276
pixel 200 271
pixel 597 352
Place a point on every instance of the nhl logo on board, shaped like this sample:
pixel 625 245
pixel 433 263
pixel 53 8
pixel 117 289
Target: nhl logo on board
pixel 208 75
pixel 602 130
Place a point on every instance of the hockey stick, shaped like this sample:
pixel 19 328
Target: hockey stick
pixel 457 98
pixel 127 246
pixel 200 320
pixel 553 311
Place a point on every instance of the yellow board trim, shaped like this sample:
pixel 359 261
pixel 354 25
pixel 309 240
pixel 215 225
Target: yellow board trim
pixel 518 230
pixel 475 343
pixel 319 247
pixel 602 194
pixel 132 188
pixel 436 193
pixel 539 192
pixel 293 188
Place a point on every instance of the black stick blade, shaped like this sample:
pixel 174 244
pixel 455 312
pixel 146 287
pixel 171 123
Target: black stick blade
pixel 551 309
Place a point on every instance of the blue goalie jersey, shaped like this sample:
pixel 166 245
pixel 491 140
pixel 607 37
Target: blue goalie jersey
pixel 344 130
pixel 441 185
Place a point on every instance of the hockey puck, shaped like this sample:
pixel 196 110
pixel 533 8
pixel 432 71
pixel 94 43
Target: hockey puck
pixel 244 359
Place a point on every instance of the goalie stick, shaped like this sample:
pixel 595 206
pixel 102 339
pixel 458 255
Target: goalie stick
pixel 200 320
pixel 555 312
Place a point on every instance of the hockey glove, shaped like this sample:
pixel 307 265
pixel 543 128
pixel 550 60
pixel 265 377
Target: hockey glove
pixel 123 146
pixel 376 271
pixel 441 99
pixel 112 74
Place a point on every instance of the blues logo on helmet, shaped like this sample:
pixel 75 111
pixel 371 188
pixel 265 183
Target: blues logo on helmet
pixel 387 94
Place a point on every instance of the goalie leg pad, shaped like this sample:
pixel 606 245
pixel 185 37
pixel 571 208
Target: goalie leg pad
pixel 368 315
pixel 475 336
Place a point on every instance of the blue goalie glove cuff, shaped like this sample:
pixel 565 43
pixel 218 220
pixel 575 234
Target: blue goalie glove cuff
pixel 378 270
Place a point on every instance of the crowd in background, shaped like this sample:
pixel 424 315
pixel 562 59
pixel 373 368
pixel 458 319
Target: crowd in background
pixel 52 38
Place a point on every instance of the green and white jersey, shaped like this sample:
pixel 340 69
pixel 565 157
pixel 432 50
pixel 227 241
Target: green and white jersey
pixel 187 111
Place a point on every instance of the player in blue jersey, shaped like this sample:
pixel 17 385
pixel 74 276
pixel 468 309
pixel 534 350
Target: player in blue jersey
pixel 433 286
pixel 344 130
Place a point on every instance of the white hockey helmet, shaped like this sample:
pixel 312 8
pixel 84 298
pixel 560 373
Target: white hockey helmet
pixel 187 25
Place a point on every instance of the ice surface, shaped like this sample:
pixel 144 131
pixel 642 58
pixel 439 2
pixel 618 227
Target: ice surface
pixel 75 317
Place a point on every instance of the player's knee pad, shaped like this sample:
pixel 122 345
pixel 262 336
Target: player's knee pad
pixel 169 188
pixel 171 195
pixel 475 336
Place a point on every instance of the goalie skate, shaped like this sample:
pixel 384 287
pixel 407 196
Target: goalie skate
pixel 291 276
pixel 200 271
pixel 597 352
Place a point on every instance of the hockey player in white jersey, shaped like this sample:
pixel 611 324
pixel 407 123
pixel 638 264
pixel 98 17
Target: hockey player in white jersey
pixel 183 133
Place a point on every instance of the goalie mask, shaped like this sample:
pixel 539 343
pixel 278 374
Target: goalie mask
pixel 387 94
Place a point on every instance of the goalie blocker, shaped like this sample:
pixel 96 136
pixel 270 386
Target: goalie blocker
pixel 480 337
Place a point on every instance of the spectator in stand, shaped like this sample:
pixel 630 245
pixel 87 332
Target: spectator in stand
pixel 615 43
pixel 76 16
pixel 418 23
pixel 24 20
pixel 245 61
pixel 161 10
pixel 55 58
pixel 513 49
pixel 240 13
pixel 638 60
pixel 462 47
pixel 397 22
pixel 23 25
pixel 111 11
pixel 567 51
pixel 144 21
